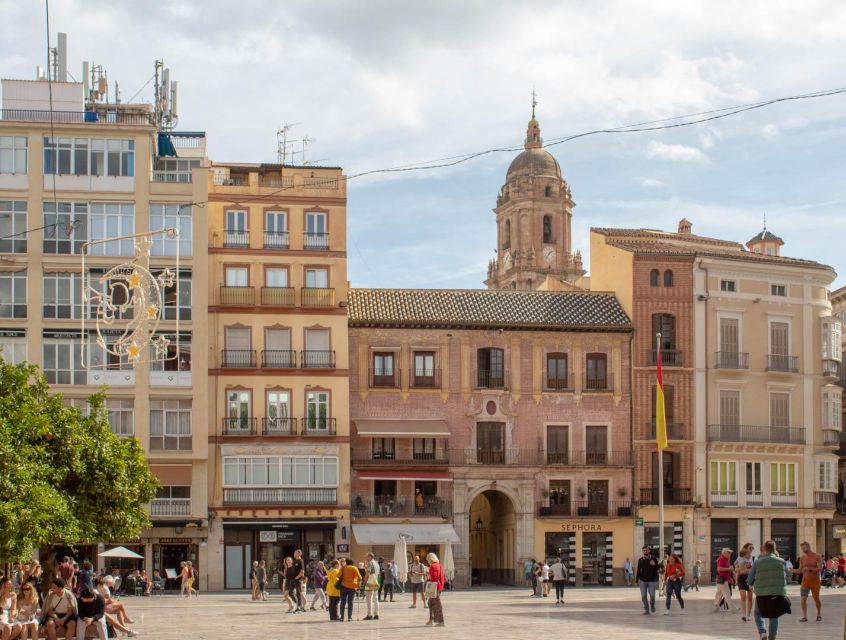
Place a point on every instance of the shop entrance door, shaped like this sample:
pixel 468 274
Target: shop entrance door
pixel 593 558
pixel 236 566
pixel 784 535
pixel 723 534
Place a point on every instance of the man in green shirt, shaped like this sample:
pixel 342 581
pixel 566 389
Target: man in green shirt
pixel 768 579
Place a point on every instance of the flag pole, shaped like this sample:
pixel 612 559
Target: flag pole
pixel 660 470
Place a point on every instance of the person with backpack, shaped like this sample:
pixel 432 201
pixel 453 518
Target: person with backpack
pixel 647 579
pixel 768 580
pixel 559 577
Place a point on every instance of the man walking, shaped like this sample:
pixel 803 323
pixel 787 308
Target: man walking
pixel 768 579
pixel 387 588
pixel 371 587
pixel 810 566
pixel 724 579
pixel 299 575
pixel 647 579
pixel 417 575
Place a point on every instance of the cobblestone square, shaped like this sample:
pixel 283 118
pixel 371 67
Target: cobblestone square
pixel 479 613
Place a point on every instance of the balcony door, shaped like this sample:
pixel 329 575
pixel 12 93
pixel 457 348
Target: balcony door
pixel 236 277
pixel 557 444
pixel 670 478
pixel 277 344
pixel 236 221
pixel 384 448
pixel 597 497
pixel 317 411
pixel 597 371
pixel 383 369
pixel 238 410
pixel 665 324
pixel 490 442
pixel 491 367
pixel 559 497
pixel 278 411
pixel 729 343
pixel 316 278
pixel 596 445
pixel 316 224
pixel 317 353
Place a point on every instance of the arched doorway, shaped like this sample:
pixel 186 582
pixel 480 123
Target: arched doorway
pixel 493 524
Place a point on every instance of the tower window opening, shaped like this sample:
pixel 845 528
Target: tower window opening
pixel 653 278
pixel 547 229
pixel 547 191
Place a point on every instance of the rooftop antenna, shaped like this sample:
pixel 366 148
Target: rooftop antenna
pixel 164 112
pixel 311 163
pixel 534 102
pixel 305 141
pixel 61 58
pixel 765 221
pixel 282 142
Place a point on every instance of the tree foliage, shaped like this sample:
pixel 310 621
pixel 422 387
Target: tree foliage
pixel 64 476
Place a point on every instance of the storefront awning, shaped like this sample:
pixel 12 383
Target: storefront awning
pixel 443 476
pixel 398 427
pixel 366 534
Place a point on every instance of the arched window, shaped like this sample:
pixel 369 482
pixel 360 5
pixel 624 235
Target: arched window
pixel 668 278
pixel 547 191
pixel 547 229
pixel 506 235
pixel 653 278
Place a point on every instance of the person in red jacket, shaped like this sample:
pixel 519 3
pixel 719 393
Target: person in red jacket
pixel 434 586
pixel 673 580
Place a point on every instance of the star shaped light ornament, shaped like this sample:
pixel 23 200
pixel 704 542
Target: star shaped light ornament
pixel 133 351
pixel 134 280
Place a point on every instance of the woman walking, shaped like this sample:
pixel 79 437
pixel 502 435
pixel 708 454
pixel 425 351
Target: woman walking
pixel 289 583
pixel 253 582
pixel 742 567
pixel 184 577
pixel 673 580
pixel 261 580
pixel 318 583
pixel 434 587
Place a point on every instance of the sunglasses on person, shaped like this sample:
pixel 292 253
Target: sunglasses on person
pixel 27 589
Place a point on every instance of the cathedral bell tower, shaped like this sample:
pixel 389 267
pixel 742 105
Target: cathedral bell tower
pixel 534 212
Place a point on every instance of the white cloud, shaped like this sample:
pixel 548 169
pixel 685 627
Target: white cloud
pixel 674 152
pixel 652 183
pixel 770 131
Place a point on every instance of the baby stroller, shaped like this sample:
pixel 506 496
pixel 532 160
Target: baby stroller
pixel 827 578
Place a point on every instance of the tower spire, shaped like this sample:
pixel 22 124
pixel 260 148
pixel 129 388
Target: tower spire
pixel 534 102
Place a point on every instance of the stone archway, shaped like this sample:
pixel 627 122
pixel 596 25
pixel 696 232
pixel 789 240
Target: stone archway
pixel 493 531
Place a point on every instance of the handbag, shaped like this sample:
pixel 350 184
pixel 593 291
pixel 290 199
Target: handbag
pixel 430 589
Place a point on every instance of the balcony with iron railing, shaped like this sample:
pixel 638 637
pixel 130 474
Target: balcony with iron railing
pixel 316 241
pixel 390 459
pixel 669 358
pixel 317 297
pixel 831 368
pixel 100 116
pixel 238 359
pixel 401 507
pixel 755 433
pixel 239 426
pixel 172 177
pixel 278 359
pixel 237 296
pixel 317 359
pixel 320 182
pixel 586 507
pixel 279 426
pixel 317 426
pixel 825 499
pixel 831 437
pixel 170 507
pixel 425 379
pixel 724 498
pixel 731 360
pixel 236 239
pixel 754 498
pixel 784 499
pixel 559 384
pixel 278 296
pixel 277 182
pixel 490 379
pixel 672 495
pixel 782 363
pixel 380 378
pixel 598 385
pixel 280 496
pixel 675 430
pixel 276 240
pixel 532 457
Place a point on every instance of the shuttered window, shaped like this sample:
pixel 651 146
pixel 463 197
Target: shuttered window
pixel 729 342
pixel 730 408
pixel 779 409
pixel 779 338
pixel 237 339
pixel 277 339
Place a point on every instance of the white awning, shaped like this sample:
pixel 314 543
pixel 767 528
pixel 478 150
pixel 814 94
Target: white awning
pixel 415 533
pixel 399 427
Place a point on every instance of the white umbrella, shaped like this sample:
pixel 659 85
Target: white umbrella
pixel 121 552
pixel 401 559
pixel 448 562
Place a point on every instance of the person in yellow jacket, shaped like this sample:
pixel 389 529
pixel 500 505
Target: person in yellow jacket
pixel 331 590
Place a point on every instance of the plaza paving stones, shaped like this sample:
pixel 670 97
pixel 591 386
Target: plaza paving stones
pixel 478 613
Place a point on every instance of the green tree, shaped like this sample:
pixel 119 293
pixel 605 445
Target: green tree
pixel 64 476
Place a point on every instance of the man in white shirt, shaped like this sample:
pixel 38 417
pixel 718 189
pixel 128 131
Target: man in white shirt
pixel 559 577
pixel 417 575
pixel 545 578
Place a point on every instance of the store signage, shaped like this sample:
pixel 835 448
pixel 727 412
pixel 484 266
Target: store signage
pixel 638 522
pixel 838 531
pixel 167 540
pixel 581 526
pixel 267 536
pixel 343 548
pixel 288 536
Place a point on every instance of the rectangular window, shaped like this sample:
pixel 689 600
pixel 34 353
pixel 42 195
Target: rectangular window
pixel 316 278
pixel 276 277
pixel 65 227
pixel 13 154
pixel 13 229
pixel 317 353
pixel 276 222
pixel 280 471
pixel 13 294
pixel 490 442
pixel 62 358
pixel 178 357
pixel 121 415
pixel 238 410
pixel 831 408
pixel 596 441
pixel 317 411
pixel 557 444
pixel 783 479
pixel 753 480
pixel 384 448
pixel 278 410
pixel 728 285
pixel 723 478
pixel 236 220
pixel 172 216
pixel 779 344
pixel 729 408
pixel 13 346
pixel 84 156
pixel 177 296
pixel 778 289
pixel 383 365
pixel 557 371
pixel 236 276
pixel 170 425
pixel 111 220
pixel 424 369
pixel 826 479
pixel 316 231
pixel 729 336
pixel 490 364
pixel 62 296
pixel 423 448
pixel 101 359
pixel 831 332
pixel 779 409
pixel 665 324
pixel 597 371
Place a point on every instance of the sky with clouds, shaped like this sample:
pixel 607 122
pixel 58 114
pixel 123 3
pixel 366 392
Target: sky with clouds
pixel 381 83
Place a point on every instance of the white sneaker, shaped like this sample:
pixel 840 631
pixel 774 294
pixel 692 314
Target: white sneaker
pixel 666 613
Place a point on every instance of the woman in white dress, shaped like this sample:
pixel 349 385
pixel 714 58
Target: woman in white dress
pixel 11 628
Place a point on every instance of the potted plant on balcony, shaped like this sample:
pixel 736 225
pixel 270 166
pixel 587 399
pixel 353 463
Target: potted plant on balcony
pixel 583 509
pixel 623 510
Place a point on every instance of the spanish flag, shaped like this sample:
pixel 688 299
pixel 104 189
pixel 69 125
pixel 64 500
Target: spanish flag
pixel 660 414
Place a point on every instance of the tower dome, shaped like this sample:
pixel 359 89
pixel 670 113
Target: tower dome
pixel 534 160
